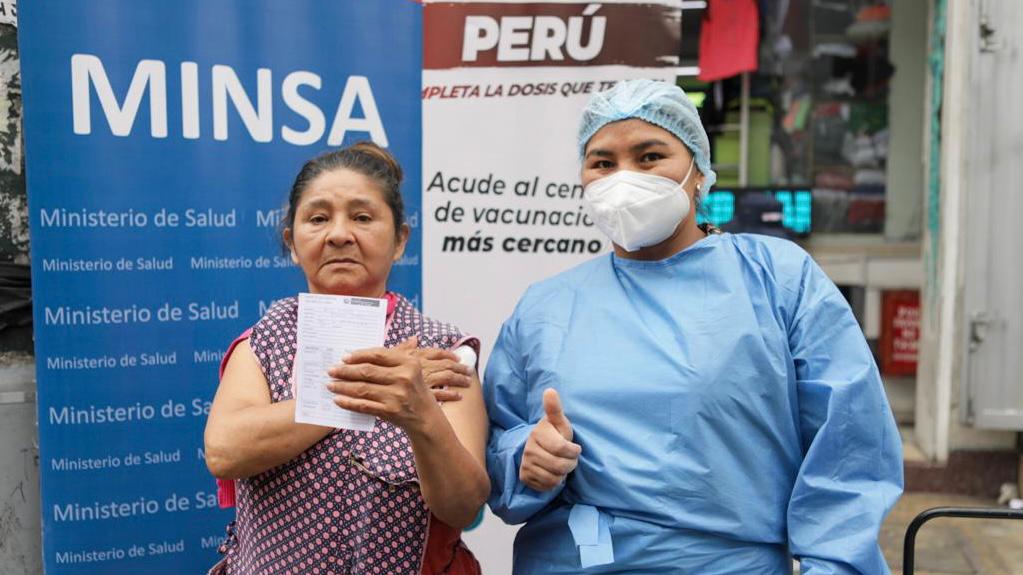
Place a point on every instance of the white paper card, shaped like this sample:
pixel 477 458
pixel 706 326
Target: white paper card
pixel 330 327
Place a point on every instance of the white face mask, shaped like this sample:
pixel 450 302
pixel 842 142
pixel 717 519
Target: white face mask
pixel 637 210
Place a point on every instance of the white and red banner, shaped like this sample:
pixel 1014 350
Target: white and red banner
pixel 504 85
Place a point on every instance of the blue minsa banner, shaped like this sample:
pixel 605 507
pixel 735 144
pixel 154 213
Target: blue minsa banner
pixel 162 138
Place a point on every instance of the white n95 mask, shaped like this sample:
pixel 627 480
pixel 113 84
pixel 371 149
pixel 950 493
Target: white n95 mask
pixel 637 210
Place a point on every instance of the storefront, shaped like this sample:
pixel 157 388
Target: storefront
pixel 824 144
pixel 835 140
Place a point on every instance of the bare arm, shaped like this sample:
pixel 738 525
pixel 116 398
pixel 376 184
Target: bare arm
pixel 246 432
pixel 448 443
pixel 451 461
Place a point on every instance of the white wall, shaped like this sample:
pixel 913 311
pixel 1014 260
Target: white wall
pixel 907 47
pixel 943 329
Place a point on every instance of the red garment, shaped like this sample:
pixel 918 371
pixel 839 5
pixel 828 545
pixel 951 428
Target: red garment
pixel 446 554
pixel 729 39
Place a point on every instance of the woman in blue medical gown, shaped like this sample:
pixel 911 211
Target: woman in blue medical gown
pixel 694 402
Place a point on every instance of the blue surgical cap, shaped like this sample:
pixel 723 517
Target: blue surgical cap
pixel 660 103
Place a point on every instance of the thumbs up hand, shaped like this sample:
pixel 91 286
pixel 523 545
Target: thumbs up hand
pixel 549 455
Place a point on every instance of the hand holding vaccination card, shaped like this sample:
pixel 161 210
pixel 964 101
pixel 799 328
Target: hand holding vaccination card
pixel 329 328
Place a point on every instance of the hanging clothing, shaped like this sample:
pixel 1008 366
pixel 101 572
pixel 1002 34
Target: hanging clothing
pixel 351 503
pixel 729 411
pixel 729 39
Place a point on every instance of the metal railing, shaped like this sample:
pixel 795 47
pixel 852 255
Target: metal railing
pixel 909 549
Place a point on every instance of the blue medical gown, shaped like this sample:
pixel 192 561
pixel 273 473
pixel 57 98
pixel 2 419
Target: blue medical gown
pixel 730 414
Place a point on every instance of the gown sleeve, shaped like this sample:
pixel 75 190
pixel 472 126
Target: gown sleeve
pixel 505 391
pixel 851 474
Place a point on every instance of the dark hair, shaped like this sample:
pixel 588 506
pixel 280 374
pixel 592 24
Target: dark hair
pixel 366 158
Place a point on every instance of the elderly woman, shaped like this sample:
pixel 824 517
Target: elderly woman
pixel 312 499
pixel 694 402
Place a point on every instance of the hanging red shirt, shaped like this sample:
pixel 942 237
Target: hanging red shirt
pixel 729 39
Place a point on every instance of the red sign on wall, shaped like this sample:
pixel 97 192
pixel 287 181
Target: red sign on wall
pixel 900 331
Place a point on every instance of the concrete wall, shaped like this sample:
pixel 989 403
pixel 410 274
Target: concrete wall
pixel 13 203
pixel 20 528
pixel 943 327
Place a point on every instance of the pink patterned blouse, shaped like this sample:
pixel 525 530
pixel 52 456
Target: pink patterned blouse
pixel 348 505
